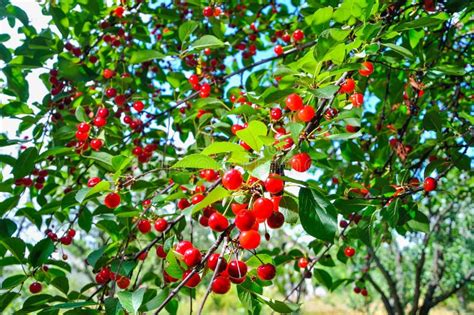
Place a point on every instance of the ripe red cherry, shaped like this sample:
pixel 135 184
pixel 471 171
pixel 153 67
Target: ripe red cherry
pixel 262 208
pixel 237 207
pixel 278 50
pixel 160 252
pixel 244 220
pixel 99 121
pixel 303 262
pixel 300 162
pixel 298 35
pixel 193 281
pixel 207 12
pixel 182 246
pixel 357 99
pixel 352 129
pixel 35 287
pixel 232 179
pixel 367 69
pixel 220 285
pixel 306 113
pixel 144 226
pixel 83 127
pixel 192 257
pixel 266 272
pixel 210 175
pixel 343 224
pixel 193 79
pixel 138 106
pixel 71 232
pixel 275 113
pixel 294 102
pixel 183 204
pixel 82 136
pixel 237 269
pixel 357 290
pixel 66 240
pixel 123 282
pixel 276 220
pixel 236 128
pixel 218 222
pixel 249 239
pixel 213 261
pixel 112 200
pixel 364 292
pixel 274 185
pixel 110 92
pixel 108 73
pixel 93 181
pixel 429 184
pixel 168 278
pixel 96 144
pixel 348 86
pixel 103 112
pixel 161 225
pixel 197 198
pixel 349 251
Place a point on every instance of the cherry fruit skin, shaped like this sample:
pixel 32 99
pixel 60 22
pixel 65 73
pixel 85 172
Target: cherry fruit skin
pixel 237 269
pixel 349 251
pixel 161 225
pixel 364 292
pixel 160 251
pixel 276 220
pixel 298 35
pixel 348 86
pixel 278 50
pixel 35 287
pixel 96 144
pixel 123 282
pixel 262 208
pixel 193 281
pixel 357 99
pixel 207 12
pixel 93 181
pixel 144 226
pixel 294 102
pixel 275 113
pixel 112 200
pixel 429 184
pixel 249 239
pixel 220 285
pixel 232 180
pixel 357 290
pixel 182 246
pixel 274 185
pixel 192 257
pixel 138 106
pixel 266 272
pixel 303 262
pixel 218 222
pixel 300 162
pixel 244 220
pixel 367 69
pixel 306 114
pixel 214 260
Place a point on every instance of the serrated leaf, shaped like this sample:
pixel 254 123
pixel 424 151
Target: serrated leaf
pixel 16 246
pixel 199 161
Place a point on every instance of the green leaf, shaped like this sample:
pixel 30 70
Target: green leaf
pixel 85 220
pixel 84 193
pixel 131 301
pixel 432 121
pixel 317 215
pixel 251 135
pixel 139 56
pixel 104 159
pixel 74 71
pixel 25 163
pixel 186 29
pixel 113 306
pixel 40 253
pixel 418 23
pixel 199 161
pixel 222 147
pixel 256 260
pixel 74 305
pixel 450 69
pixel 60 20
pixel 56 151
pixel 95 256
pixel 278 306
pixel 172 267
pixel 215 195
pixel 61 283
pixel 13 281
pixel 400 50
pixel 323 277
pixel 16 246
pixel 325 92
pixel 6 298
pixel 207 41
pixel 81 114
pixel 322 16
pixel 420 222
pixel 7 228
pixel 8 204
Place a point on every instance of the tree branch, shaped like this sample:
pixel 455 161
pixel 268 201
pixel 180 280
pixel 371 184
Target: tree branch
pixel 386 302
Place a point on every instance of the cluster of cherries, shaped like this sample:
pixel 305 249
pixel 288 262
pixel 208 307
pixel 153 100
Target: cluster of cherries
pixel 297 36
pixel 38 182
pixel 65 240
pixel 105 275
pixel 82 134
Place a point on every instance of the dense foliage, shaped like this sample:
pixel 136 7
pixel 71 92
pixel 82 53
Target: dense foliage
pixel 190 147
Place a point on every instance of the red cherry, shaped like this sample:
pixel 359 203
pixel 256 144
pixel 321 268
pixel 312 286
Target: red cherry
pixel 306 113
pixel 429 184
pixel 161 225
pixel 294 102
pixel 352 129
pixel 207 12
pixel 298 35
pixel 220 285
pixel 210 175
pixel 120 99
pixel 108 73
pixel 96 144
pixel 123 282
pixel 193 79
pixel 278 50
pixel 275 113
pixel 262 208
pixel 349 251
pixel 213 261
pixel 193 281
pixel 364 292
pixel 183 204
pixel 144 226
pixel 348 86
pixel 357 99
pixel 66 240
pixel 343 224
pixel 197 198
pixel 100 279
pixel 236 128
pixel 103 112
pixel 244 220
pixel 93 181
pixel 367 69
pixel 110 92
pixel 35 287
pixel 237 269
pixel 300 162
pixel 218 222
pixel 266 272
pixel 99 121
pixel 142 256
pixel 276 220
pixel 249 239
pixel 82 136
pixel 182 246
pixel 303 262
pixel 357 290
pixel 83 127
pixel 160 251
pixel 274 185
pixel 232 179
pixel 192 257
pixel 119 12
pixel 71 232
pixel 138 106
pixel 237 207
pixel 112 200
